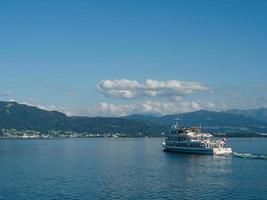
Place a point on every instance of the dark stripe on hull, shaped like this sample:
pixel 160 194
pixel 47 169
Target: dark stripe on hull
pixel 195 151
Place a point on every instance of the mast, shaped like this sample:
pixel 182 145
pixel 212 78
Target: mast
pixel 177 121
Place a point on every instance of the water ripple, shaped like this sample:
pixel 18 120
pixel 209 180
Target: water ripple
pixel 127 169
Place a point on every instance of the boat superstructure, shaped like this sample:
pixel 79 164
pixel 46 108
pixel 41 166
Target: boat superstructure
pixel 191 140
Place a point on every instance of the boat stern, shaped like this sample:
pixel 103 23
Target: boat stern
pixel 222 151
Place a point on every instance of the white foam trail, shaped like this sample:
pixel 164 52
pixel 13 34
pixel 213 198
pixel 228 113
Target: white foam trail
pixel 250 155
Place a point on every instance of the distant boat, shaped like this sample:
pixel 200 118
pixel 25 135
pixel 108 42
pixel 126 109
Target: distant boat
pixel 191 140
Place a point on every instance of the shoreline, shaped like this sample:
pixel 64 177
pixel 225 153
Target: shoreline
pixel 115 138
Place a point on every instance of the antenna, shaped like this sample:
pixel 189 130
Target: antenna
pixel 178 121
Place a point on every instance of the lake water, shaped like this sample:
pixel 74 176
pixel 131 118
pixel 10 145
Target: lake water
pixel 129 169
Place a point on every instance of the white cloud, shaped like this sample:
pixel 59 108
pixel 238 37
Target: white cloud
pixel 128 89
pixel 112 109
pixel 146 107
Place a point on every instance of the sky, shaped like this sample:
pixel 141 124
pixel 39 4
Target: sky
pixel 114 58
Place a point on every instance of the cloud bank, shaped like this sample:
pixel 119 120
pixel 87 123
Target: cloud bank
pixel 129 89
pixel 145 107
pixel 150 96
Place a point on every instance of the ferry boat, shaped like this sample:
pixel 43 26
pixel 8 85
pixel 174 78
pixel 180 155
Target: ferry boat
pixel 191 140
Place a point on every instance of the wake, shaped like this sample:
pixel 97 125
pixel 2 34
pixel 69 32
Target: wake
pixel 249 155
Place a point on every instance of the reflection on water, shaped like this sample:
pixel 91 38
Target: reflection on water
pixel 127 169
pixel 199 171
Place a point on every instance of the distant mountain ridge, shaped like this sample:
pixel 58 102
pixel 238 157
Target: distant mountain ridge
pixel 23 117
pixel 212 121
pixel 259 114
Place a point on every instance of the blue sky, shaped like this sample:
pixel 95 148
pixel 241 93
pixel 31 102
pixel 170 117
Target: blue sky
pixel 55 55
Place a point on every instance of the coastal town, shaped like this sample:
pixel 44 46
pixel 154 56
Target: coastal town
pixel 32 134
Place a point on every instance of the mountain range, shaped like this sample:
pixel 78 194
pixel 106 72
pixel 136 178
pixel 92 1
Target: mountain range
pixel 23 117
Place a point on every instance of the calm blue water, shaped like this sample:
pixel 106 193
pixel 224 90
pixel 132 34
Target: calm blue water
pixel 128 169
